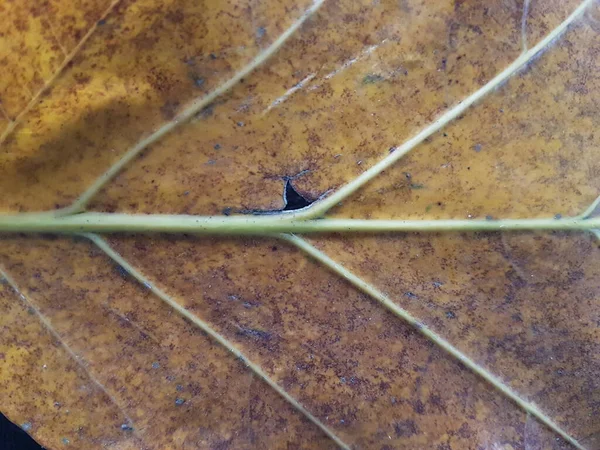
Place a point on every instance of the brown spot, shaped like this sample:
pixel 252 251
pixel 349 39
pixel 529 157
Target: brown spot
pixel 169 109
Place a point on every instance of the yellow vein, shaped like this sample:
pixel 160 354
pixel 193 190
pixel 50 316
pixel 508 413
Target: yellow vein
pixel 74 356
pixel 204 326
pixel 321 207
pixel 371 291
pixel 48 84
pixel 196 106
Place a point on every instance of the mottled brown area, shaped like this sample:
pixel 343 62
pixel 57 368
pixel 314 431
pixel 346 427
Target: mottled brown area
pixel 35 37
pixel 524 306
pixel 530 149
pixel 178 388
pixel 46 391
pixel 364 373
pixel 336 125
pixel 143 67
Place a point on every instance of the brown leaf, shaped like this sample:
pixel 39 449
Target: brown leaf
pixel 278 349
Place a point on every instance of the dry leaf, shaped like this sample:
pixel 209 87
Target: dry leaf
pixel 261 106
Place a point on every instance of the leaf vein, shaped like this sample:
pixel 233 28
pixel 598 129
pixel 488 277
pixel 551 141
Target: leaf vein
pixel 204 326
pixel 438 340
pixel 196 106
pixel 77 359
pixel 319 208
pixel 48 84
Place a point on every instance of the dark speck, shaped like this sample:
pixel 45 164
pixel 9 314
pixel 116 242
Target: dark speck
pixel 489 218
pixel 206 112
pixel 227 211
pixel 240 124
pixel 155 365
pixel 254 333
pixel 179 388
pixel 477 147
pixel 410 295
pixel 372 78
pixel 450 315
pixel 179 401
pixel 66 441
pixel 126 427
pixel 122 271
pixel 406 428
pixel 217 147
pixel 558 216
pixel 260 32
pixel 213 56
pixel 101 22
pixel 199 82
pixel 419 407
pixel 186 193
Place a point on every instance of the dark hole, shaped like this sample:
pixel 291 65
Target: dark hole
pixel 13 437
pixel 293 200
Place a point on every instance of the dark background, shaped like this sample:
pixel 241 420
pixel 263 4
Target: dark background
pixel 12 437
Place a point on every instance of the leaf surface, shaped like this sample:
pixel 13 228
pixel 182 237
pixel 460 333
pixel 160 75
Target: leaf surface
pixel 282 351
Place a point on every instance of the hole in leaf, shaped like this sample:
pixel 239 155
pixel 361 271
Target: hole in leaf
pixel 293 199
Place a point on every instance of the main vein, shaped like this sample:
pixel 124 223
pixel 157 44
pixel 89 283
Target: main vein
pixel 269 225
pixel 204 326
pixel 370 290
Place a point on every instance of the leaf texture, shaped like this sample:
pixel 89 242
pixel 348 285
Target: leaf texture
pixel 94 356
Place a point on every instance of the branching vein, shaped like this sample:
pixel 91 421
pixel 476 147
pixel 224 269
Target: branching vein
pixel 319 208
pixel 384 300
pixel 50 82
pixel 204 326
pixel 189 112
pixel 48 325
